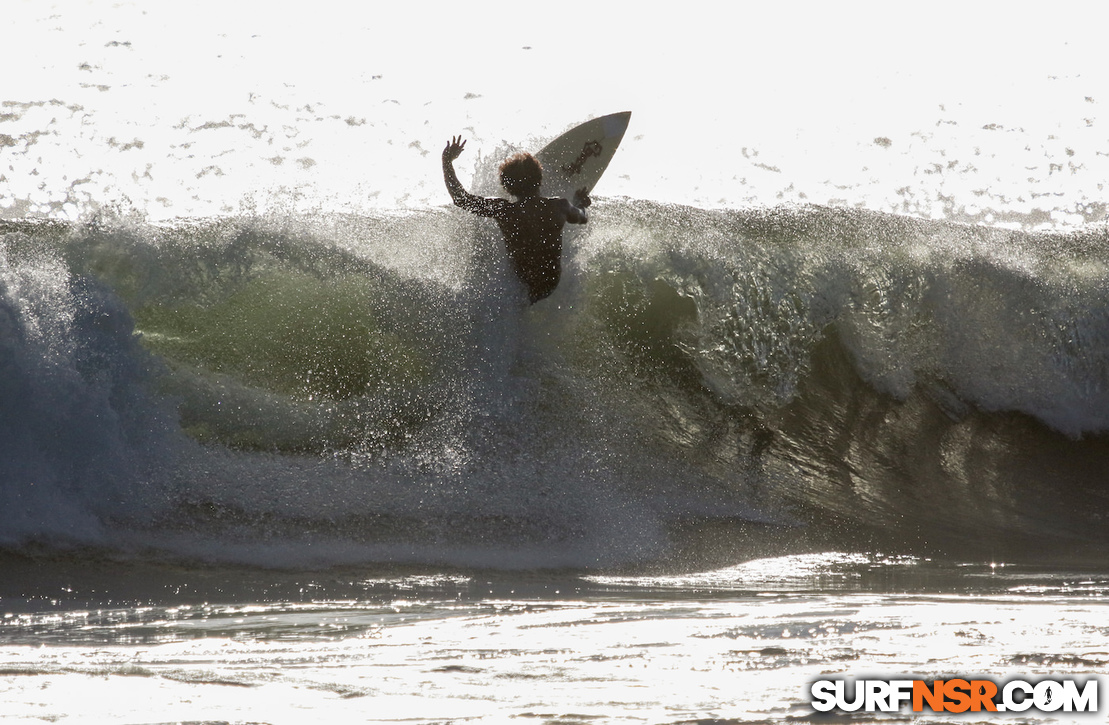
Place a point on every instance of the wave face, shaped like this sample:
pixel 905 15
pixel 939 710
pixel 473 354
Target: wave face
pixel 313 391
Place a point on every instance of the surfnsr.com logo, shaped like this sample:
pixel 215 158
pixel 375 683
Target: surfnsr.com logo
pixel 1065 694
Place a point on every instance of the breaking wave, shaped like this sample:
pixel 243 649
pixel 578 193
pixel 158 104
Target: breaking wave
pixel 312 391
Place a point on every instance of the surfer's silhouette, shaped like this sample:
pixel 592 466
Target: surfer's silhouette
pixel 531 225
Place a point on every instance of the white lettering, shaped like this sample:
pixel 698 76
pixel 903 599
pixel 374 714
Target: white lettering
pixel 1085 701
pixel 841 697
pixel 1048 696
pixel 877 695
pixel 1009 696
pixel 902 693
pixel 824 695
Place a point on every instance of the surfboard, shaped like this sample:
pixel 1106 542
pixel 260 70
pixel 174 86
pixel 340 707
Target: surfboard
pixel 577 159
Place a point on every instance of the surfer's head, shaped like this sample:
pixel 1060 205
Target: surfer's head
pixel 521 175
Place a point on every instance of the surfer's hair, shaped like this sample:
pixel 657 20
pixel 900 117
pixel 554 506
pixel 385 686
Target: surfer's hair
pixel 521 175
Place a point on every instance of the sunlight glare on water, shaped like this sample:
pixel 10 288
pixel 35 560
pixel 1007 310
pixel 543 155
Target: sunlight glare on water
pixel 181 110
pixel 627 649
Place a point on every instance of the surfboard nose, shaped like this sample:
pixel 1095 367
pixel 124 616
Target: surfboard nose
pixel 616 123
pixel 577 159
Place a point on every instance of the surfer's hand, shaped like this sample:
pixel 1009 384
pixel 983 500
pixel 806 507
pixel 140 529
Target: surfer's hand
pixel 581 198
pixel 454 149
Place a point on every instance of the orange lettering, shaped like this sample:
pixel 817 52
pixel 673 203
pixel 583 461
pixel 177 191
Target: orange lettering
pixel 958 695
pixel 981 695
pixel 933 696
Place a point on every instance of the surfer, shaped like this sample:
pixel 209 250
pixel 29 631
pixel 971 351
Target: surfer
pixel 531 225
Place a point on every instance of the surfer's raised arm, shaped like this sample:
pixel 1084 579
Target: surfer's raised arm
pixel 461 197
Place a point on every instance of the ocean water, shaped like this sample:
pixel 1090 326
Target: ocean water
pixel 823 390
